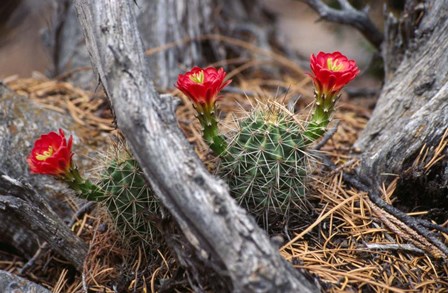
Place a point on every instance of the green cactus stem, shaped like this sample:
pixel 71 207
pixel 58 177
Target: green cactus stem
pixel 207 118
pixel 83 188
pixel 129 199
pixel 321 116
pixel 122 189
pixel 266 163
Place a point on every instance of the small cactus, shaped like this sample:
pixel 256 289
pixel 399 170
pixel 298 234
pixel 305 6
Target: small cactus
pixel 265 163
pixel 121 185
pixel 128 198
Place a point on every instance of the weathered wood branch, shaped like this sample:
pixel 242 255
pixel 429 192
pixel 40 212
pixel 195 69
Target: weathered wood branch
pixel 412 111
pixel 349 16
pixel 10 283
pixel 30 210
pixel 183 22
pixel 413 107
pixel 171 30
pixel 163 22
pixel 65 44
pixel 221 232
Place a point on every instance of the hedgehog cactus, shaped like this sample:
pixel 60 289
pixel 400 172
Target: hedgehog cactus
pixel 128 199
pixel 122 187
pixel 265 163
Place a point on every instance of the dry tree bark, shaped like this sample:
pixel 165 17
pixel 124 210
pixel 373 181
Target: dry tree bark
pixel 412 109
pixel 172 32
pixel 221 232
pixel 177 29
pixel 65 43
pixel 412 112
pixel 10 283
pixel 163 22
pixel 27 209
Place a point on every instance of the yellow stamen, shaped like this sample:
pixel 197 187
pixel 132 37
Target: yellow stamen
pixel 198 77
pixel 45 155
pixel 272 117
pixel 334 65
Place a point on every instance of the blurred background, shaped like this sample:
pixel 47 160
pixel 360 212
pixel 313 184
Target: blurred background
pixel 22 22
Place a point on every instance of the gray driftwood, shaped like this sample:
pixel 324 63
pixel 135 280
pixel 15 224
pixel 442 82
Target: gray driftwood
pixel 69 56
pixel 413 106
pixel 221 233
pixel 10 283
pixel 163 22
pixel 28 209
pixel 177 28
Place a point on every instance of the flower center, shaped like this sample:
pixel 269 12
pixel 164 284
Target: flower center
pixel 334 65
pixel 198 77
pixel 45 155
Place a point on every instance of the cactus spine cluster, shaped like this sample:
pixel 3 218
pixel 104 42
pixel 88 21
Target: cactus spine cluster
pixel 321 116
pixel 122 189
pixel 128 199
pixel 266 163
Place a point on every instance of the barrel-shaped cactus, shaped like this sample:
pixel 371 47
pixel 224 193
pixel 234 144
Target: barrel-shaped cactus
pixel 265 163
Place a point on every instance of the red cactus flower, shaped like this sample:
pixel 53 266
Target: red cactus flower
pixel 331 72
pixel 51 154
pixel 202 86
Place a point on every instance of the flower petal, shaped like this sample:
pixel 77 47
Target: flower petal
pixel 51 154
pixel 331 72
pixel 202 91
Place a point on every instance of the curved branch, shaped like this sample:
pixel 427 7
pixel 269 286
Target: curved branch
pixel 349 16
pixel 412 110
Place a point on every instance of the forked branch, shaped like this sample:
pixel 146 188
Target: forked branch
pixel 350 16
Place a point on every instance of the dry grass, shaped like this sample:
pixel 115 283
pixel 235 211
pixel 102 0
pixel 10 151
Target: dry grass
pixel 346 246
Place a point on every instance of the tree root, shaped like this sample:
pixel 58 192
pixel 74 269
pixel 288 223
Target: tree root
pixel 409 228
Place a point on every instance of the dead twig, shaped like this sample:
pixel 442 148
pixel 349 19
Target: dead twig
pixel 327 136
pixel 32 261
pixel 28 206
pixel 84 209
pixel 349 16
